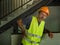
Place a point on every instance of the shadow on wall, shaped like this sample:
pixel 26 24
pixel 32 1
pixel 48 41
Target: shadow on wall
pixel 59 18
pixel 53 21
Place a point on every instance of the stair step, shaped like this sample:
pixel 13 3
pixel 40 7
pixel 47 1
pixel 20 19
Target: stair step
pixel 4 19
pixel 0 22
pixel 10 18
pixel 3 23
pixel 11 15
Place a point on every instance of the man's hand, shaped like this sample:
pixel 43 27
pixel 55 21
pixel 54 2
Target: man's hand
pixel 20 24
pixel 50 35
pixel 23 34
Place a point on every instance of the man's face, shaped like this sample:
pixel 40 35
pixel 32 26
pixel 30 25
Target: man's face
pixel 42 15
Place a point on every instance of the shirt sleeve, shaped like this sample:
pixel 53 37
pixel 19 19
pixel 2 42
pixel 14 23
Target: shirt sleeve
pixel 27 21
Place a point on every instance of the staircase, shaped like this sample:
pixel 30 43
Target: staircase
pixel 9 11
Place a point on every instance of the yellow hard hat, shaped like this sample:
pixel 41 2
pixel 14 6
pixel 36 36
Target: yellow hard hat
pixel 44 9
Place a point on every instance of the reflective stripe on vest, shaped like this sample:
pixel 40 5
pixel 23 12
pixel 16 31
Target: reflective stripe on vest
pixel 34 33
pixel 31 41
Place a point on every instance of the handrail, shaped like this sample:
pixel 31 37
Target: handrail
pixel 9 6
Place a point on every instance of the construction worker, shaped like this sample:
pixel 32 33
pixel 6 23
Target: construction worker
pixel 34 27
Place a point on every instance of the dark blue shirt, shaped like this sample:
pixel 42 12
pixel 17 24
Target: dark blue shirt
pixel 27 21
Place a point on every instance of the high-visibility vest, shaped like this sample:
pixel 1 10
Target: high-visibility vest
pixel 34 33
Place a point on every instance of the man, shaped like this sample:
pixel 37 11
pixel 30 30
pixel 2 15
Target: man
pixel 33 31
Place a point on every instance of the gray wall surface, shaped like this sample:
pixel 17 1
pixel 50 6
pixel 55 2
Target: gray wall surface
pixel 5 38
pixel 53 21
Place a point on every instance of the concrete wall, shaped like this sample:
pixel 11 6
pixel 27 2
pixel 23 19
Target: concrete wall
pixel 53 21
pixel 5 38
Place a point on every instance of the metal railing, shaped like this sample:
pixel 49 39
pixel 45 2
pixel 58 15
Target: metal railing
pixel 9 6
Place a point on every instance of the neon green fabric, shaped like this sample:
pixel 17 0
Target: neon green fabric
pixel 36 30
